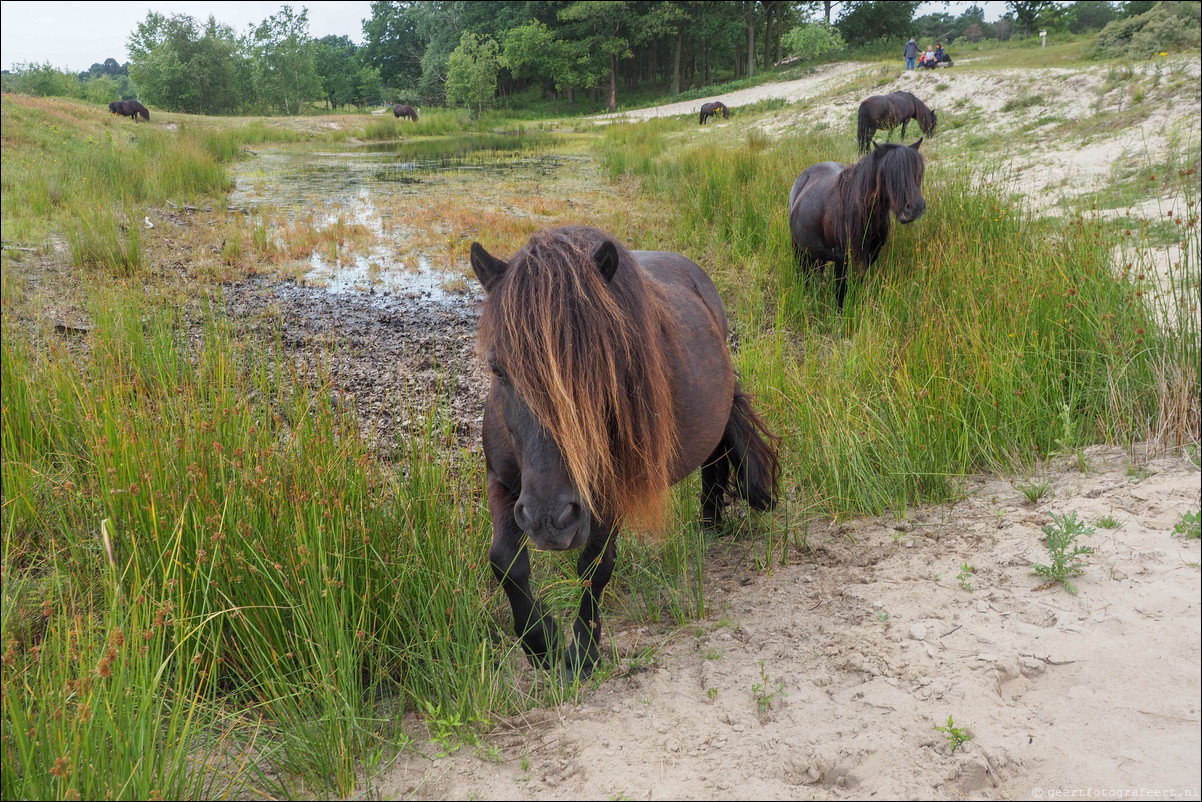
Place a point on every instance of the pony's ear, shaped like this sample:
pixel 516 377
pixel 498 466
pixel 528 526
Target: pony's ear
pixel 489 269
pixel 916 144
pixel 606 258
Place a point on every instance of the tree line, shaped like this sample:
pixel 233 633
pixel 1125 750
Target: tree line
pixel 474 53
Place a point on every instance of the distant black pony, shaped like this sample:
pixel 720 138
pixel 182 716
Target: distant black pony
pixel 710 109
pixel 404 110
pixel 840 213
pixel 129 108
pixel 888 112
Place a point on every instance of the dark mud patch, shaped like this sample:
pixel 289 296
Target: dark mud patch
pixel 402 366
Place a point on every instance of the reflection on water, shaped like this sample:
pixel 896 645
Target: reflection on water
pixel 352 183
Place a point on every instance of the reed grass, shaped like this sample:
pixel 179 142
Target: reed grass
pixel 956 353
pixel 252 523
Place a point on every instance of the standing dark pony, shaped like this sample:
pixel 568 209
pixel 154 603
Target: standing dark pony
pixel 840 213
pixel 611 382
pixel 404 110
pixel 888 112
pixel 129 108
pixel 710 109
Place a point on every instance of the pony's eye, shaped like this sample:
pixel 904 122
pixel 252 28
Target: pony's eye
pixel 496 370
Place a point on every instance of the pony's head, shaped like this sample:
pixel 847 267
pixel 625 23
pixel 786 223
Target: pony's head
pixel 899 170
pixel 573 333
pixel 925 118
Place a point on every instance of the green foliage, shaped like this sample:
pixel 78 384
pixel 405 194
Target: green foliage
pixel 813 40
pixel 42 80
pixel 965 576
pixel 1190 525
pixel 285 75
pixel 760 690
pixel 860 23
pixel 956 736
pixel 181 66
pixel 1035 489
pixel 1060 537
pixel 1166 27
pixel 1089 15
pixel 344 80
pixel 472 72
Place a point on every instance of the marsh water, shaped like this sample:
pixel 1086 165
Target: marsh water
pixel 384 193
pixel 380 306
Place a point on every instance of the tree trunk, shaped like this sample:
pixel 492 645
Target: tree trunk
pixel 769 10
pixel 676 59
pixel 751 39
pixel 780 31
pixel 613 82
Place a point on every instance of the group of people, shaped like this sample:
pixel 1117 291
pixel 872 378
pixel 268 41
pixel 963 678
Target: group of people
pixel 928 59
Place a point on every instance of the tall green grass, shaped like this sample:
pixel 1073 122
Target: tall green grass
pixel 964 348
pixel 289 574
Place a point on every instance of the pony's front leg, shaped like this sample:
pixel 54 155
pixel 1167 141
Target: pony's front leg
pixel 510 561
pixel 594 567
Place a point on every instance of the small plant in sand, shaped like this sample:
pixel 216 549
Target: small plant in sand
pixel 1108 522
pixel 1060 536
pixel 763 696
pixel 1035 489
pixel 956 736
pixel 1190 525
pixel 965 576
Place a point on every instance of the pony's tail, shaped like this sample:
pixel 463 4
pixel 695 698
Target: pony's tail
pixel 745 463
pixel 864 129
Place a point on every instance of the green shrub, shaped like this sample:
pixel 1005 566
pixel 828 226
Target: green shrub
pixel 1166 27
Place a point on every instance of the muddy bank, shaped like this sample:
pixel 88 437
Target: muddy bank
pixel 389 359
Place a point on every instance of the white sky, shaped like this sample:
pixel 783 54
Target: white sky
pixel 74 36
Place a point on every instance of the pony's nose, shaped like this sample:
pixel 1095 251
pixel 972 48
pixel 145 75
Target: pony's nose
pixel 562 515
pixel 914 210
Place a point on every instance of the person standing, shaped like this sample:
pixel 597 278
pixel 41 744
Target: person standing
pixel 911 53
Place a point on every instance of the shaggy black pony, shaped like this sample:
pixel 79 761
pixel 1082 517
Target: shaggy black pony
pixel 129 108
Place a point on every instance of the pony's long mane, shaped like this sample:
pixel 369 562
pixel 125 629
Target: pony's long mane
pixel 593 361
pixel 864 188
pixel 923 116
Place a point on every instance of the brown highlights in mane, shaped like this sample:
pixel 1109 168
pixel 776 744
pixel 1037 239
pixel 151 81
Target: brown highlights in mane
pixel 591 359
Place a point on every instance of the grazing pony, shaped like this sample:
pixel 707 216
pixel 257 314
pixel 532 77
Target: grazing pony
pixel 129 108
pixel 888 112
pixel 404 110
pixel 840 213
pixel 710 109
pixel 612 381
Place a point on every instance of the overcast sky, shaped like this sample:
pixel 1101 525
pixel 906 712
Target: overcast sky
pixel 74 36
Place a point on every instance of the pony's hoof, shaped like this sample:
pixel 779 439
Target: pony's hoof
pixel 540 660
pixel 580 662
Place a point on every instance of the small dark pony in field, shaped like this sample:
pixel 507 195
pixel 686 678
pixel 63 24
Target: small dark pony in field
pixel 612 381
pixel 710 109
pixel 404 110
pixel 840 213
pixel 888 112
pixel 129 108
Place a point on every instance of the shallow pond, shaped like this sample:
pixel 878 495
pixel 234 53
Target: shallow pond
pixel 387 190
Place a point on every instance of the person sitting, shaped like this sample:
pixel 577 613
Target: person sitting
pixel 940 56
pixel 928 59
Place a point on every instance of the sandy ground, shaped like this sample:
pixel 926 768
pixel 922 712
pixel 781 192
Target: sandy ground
pixel 826 678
